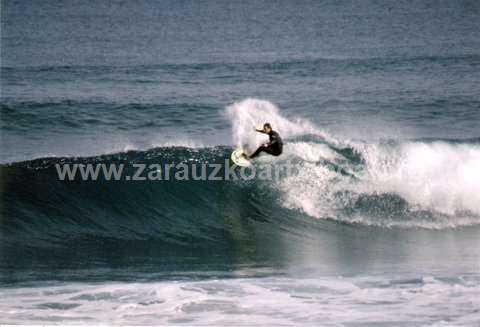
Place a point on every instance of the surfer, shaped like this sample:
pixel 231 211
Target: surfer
pixel 274 146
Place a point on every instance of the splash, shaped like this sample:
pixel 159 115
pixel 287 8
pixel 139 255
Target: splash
pixel 250 113
pixel 435 176
pixel 412 184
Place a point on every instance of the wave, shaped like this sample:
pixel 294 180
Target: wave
pixel 369 62
pixel 412 184
pixel 78 115
pixel 431 184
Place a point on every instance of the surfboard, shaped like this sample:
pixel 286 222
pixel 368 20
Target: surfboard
pixel 238 158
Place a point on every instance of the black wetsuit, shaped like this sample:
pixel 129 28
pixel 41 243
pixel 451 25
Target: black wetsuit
pixel 273 147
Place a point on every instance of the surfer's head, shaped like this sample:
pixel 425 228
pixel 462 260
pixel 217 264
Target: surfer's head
pixel 267 128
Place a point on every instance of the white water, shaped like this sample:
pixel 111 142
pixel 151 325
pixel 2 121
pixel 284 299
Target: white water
pixel 328 301
pixel 434 176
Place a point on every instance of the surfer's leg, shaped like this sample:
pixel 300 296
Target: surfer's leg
pixel 257 152
pixel 265 149
pixel 270 151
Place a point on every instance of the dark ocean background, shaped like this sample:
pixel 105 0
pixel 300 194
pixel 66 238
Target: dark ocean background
pixel 378 102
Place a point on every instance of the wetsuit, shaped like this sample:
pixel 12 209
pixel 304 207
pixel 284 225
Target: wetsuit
pixel 273 147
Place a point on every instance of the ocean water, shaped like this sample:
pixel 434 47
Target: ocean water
pixel 378 103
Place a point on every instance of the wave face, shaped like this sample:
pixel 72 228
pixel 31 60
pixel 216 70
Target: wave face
pixel 427 184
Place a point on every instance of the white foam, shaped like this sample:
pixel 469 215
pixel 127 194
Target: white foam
pixel 310 191
pixel 267 301
pixel 438 177
pixel 310 152
pixel 433 176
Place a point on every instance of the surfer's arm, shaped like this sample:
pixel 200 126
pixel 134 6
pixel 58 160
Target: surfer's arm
pixel 272 142
pixel 259 130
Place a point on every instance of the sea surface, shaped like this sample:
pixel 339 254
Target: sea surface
pixel 378 103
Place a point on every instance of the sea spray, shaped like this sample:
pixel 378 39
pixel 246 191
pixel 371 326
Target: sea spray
pixel 247 114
